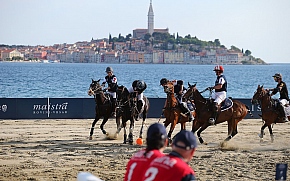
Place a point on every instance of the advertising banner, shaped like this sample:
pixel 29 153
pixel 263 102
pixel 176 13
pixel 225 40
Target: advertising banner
pixel 75 108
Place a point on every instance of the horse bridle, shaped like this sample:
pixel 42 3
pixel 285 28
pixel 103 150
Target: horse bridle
pixel 260 95
pixel 190 95
pixel 119 101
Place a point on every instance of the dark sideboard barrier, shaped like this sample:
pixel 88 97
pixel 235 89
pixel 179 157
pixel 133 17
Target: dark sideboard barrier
pixel 74 108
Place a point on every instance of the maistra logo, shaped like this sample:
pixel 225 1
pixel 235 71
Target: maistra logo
pixel 58 108
pixel 4 108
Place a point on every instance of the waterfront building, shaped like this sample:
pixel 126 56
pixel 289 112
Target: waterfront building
pixel 10 53
pixel 173 57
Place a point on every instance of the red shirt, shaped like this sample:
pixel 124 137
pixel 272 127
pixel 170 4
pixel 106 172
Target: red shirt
pixel 139 163
pixel 170 168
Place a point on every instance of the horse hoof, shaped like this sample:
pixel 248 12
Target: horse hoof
pixel 104 132
pixel 90 138
pixel 261 140
pixel 116 135
pixel 260 135
pixel 272 138
pixel 205 143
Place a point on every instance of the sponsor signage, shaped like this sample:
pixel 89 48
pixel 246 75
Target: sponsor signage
pixel 281 171
pixel 74 108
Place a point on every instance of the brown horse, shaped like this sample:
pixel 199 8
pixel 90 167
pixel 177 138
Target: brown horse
pixel 269 113
pixel 172 110
pixel 103 105
pixel 203 112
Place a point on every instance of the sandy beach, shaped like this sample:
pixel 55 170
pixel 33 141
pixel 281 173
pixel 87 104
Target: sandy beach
pixel 60 149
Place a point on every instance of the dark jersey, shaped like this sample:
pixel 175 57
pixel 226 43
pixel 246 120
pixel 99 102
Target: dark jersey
pixel 178 86
pixel 282 88
pixel 139 163
pixel 170 168
pixel 112 82
pixel 219 81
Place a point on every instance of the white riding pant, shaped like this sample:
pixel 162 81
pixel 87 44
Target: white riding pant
pixel 113 94
pixel 283 101
pixel 139 97
pixel 219 97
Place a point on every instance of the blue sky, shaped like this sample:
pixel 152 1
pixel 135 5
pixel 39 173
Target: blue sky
pixel 261 26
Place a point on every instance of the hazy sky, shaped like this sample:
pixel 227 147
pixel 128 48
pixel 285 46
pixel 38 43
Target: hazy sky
pixel 261 26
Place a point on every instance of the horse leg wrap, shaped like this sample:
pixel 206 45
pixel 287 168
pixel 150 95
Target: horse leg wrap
pixel 125 138
pixel 272 138
pixel 130 139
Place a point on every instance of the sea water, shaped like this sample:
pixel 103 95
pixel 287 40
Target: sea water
pixel 72 80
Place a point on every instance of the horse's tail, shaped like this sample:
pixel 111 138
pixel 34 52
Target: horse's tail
pixel 249 111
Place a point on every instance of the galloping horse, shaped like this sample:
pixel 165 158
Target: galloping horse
pixel 103 105
pixel 269 114
pixel 203 111
pixel 127 109
pixel 123 109
pixel 172 110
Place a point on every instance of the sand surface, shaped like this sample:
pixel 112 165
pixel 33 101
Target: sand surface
pixel 60 149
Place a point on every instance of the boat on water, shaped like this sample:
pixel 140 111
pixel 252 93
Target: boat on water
pixel 50 61
pixel 44 61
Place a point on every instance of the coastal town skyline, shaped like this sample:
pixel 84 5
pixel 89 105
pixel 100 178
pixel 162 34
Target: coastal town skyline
pixel 264 34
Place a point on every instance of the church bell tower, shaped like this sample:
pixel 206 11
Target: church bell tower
pixel 150 19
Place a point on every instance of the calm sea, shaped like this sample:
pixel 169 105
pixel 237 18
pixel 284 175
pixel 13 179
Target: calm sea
pixel 71 80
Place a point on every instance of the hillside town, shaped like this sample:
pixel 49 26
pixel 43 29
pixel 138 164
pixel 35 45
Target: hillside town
pixel 143 46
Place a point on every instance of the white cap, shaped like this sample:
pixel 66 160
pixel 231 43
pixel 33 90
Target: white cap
pixel 86 176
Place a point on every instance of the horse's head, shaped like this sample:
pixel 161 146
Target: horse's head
pixel 122 93
pixel 169 88
pixel 95 86
pixel 190 91
pixel 259 94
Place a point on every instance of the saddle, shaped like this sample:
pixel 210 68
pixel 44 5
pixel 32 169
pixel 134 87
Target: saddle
pixel 226 104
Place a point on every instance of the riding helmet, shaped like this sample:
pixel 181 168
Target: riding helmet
pixel 219 68
pixel 163 81
pixel 277 75
pixel 109 69
pixel 140 84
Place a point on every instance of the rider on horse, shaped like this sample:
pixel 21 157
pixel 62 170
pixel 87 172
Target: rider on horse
pixel 220 93
pixel 111 79
pixel 138 86
pixel 179 90
pixel 284 98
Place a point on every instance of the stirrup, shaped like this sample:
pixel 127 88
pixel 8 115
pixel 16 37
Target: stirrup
pixel 211 121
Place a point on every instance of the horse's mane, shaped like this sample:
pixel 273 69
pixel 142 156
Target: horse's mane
pixel 123 90
pixel 193 90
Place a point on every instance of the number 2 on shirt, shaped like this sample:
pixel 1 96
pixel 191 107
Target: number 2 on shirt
pixel 152 171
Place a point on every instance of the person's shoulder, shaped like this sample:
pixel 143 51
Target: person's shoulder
pixel 157 153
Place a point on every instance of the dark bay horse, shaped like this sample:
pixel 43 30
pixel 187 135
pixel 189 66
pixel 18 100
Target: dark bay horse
pixel 203 112
pixel 172 110
pixel 103 105
pixel 124 111
pixel 269 113
pixel 127 109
